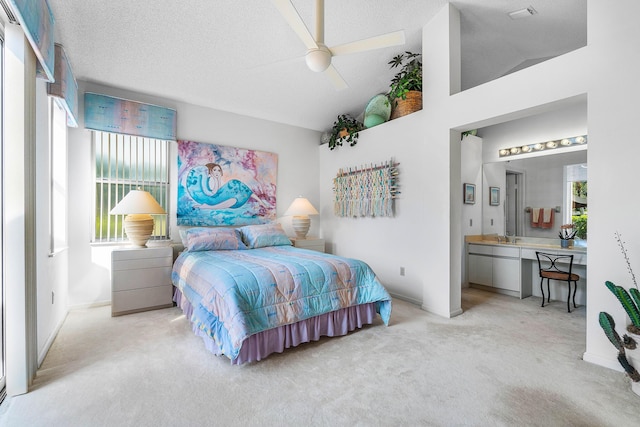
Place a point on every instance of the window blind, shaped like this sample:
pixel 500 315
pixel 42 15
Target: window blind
pixel 124 163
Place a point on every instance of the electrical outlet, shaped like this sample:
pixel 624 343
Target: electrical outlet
pixel 402 271
pixel 491 221
pixel 471 223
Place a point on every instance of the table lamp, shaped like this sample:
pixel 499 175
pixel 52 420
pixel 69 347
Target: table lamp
pixel 138 224
pixel 301 208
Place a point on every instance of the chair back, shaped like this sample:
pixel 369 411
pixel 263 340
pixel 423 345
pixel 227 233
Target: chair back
pixel 549 262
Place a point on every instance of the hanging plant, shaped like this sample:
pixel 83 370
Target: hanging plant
pixel 345 129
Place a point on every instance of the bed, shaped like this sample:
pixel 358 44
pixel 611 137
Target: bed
pixel 248 293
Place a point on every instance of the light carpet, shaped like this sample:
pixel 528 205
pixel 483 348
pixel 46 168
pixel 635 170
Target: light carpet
pixel 503 362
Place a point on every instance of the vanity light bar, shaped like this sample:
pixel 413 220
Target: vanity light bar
pixel 542 146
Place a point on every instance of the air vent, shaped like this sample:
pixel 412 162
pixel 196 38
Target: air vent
pixel 9 12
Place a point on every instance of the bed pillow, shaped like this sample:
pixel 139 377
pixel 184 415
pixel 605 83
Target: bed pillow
pixel 260 236
pixel 183 236
pixel 212 239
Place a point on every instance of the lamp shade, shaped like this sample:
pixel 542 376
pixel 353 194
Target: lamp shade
pixel 301 208
pixel 138 224
pixel 137 202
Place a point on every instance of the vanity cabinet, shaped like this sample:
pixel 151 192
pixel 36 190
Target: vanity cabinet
pixel 481 265
pixel 496 268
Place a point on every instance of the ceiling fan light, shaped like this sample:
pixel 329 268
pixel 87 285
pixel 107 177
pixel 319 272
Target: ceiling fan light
pixel 318 60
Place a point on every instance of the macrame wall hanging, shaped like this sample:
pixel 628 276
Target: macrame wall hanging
pixel 366 191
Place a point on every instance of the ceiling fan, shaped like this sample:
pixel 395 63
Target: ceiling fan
pixel 318 56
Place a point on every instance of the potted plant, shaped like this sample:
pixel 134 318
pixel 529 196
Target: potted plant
pixel 405 91
pixel 630 301
pixel 566 234
pixel 345 129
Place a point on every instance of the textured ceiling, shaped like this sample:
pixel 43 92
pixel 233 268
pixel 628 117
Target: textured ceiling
pixel 242 56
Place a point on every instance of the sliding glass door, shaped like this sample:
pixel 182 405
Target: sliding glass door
pixel 2 317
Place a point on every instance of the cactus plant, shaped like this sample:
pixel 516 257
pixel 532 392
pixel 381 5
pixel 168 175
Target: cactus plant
pixel 629 342
pixel 609 327
pixel 628 304
pixel 630 370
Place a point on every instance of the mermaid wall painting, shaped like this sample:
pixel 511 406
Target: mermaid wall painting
pixel 221 185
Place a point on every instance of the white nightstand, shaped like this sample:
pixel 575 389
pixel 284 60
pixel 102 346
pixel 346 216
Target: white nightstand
pixel 141 279
pixel 312 243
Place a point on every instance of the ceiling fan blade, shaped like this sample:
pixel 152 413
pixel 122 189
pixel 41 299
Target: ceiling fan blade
pixel 290 14
pixel 385 40
pixel 336 78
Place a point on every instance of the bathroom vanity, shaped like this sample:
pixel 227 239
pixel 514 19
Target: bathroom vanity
pixel 511 267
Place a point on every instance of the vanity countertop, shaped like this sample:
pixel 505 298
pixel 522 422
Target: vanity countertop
pixel 525 242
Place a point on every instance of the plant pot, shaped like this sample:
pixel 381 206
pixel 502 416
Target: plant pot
pixel 402 107
pixel 343 133
pixel 564 243
pixel 633 356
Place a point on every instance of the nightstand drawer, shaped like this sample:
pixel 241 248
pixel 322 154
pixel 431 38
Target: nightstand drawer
pixel 123 280
pixel 141 299
pixel 133 264
pixel 313 244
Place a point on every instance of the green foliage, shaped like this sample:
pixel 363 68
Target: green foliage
pixel 580 225
pixel 346 123
pixel 580 189
pixel 627 303
pixel 609 327
pixel 408 78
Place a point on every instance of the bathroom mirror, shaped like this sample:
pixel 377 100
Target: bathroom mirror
pixel 543 182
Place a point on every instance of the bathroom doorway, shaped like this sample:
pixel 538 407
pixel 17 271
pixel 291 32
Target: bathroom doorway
pixel 514 204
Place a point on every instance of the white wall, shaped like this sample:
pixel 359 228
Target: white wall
pixel 297 174
pixel 493 175
pixel 613 162
pixel 386 244
pixel 605 71
pixel 471 172
pixel 471 161
pixel 52 271
pixel 418 236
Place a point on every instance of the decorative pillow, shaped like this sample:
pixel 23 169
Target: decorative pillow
pixel 183 236
pixel 213 239
pixel 259 236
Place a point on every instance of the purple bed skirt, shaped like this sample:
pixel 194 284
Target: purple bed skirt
pixel 276 340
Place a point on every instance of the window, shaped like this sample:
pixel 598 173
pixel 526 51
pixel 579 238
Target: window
pixel 58 170
pixel 576 198
pixel 123 163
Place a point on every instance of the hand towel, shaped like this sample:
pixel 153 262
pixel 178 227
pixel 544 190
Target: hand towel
pixel 535 217
pixel 547 218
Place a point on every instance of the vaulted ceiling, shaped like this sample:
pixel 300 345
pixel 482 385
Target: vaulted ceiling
pixel 242 56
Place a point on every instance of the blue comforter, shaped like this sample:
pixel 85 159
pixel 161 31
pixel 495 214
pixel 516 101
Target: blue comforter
pixel 236 294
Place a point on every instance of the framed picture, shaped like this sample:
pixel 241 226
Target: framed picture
pixel 223 185
pixel 494 196
pixel 469 192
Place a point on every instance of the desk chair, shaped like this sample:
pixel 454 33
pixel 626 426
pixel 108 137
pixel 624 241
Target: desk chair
pixel 547 265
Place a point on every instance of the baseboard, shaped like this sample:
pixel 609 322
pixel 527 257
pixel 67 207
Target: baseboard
pixel 90 305
pixel 405 298
pixel 445 314
pixel 602 361
pixel 51 339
